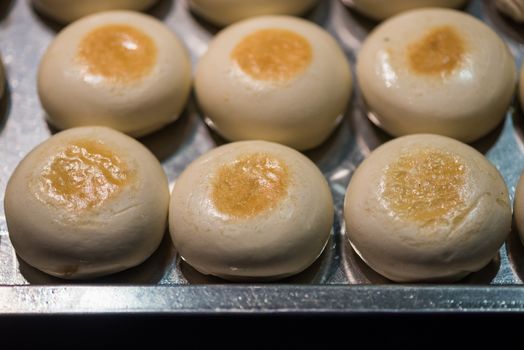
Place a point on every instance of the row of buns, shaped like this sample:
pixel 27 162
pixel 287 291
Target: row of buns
pixel 426 71
pixel 421 207
pixel 225 12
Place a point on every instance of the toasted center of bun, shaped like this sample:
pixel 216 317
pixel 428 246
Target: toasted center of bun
pixel 252 184
pixel 273 54
pixel 439 52
pixel 117 52
pixel 425 186
pixel 83 175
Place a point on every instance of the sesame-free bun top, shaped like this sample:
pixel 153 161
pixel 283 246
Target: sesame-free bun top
pixel 224 12
pixel 120 69
pixel 426 208
pixel 66 11
pixel 251 210
pixel 382 9
pixel 274 78
pixel 87 202
pixel 436 71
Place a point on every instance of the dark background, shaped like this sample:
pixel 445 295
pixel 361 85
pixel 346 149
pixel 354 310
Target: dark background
pixel 361 331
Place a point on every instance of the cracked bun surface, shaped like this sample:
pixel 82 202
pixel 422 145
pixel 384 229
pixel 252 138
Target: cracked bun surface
pixel 426 208
pixel 282 79
pixel 120 69
pixel 436 71
pixel 251 210
pixel 98 203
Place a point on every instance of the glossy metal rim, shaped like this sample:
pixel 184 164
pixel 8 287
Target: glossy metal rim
pixel 258 299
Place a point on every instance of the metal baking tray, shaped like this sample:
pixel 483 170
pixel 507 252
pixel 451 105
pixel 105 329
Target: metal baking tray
pixel 339 282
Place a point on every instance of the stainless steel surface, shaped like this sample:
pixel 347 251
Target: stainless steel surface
pixel 338 282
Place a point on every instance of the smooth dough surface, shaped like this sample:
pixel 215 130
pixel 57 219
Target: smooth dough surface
pixel 436 71
pixel 382 9
pixel 120 69
pixel 66 11
pixel 274 78
pixel 87 202
pixel 426 208
pixel 224 12
pixel 251 210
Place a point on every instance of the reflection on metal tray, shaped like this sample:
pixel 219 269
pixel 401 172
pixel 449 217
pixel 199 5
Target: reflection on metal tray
pixel 339 281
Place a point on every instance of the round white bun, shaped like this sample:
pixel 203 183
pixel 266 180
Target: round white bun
pixel 512 8
pixel 87 202
pixel 66 11
pixel 426 208
pixel 436 71
pixel 267 91
pixel 382 9
pixel 120 69
pixel 251 210
pixel 224 12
